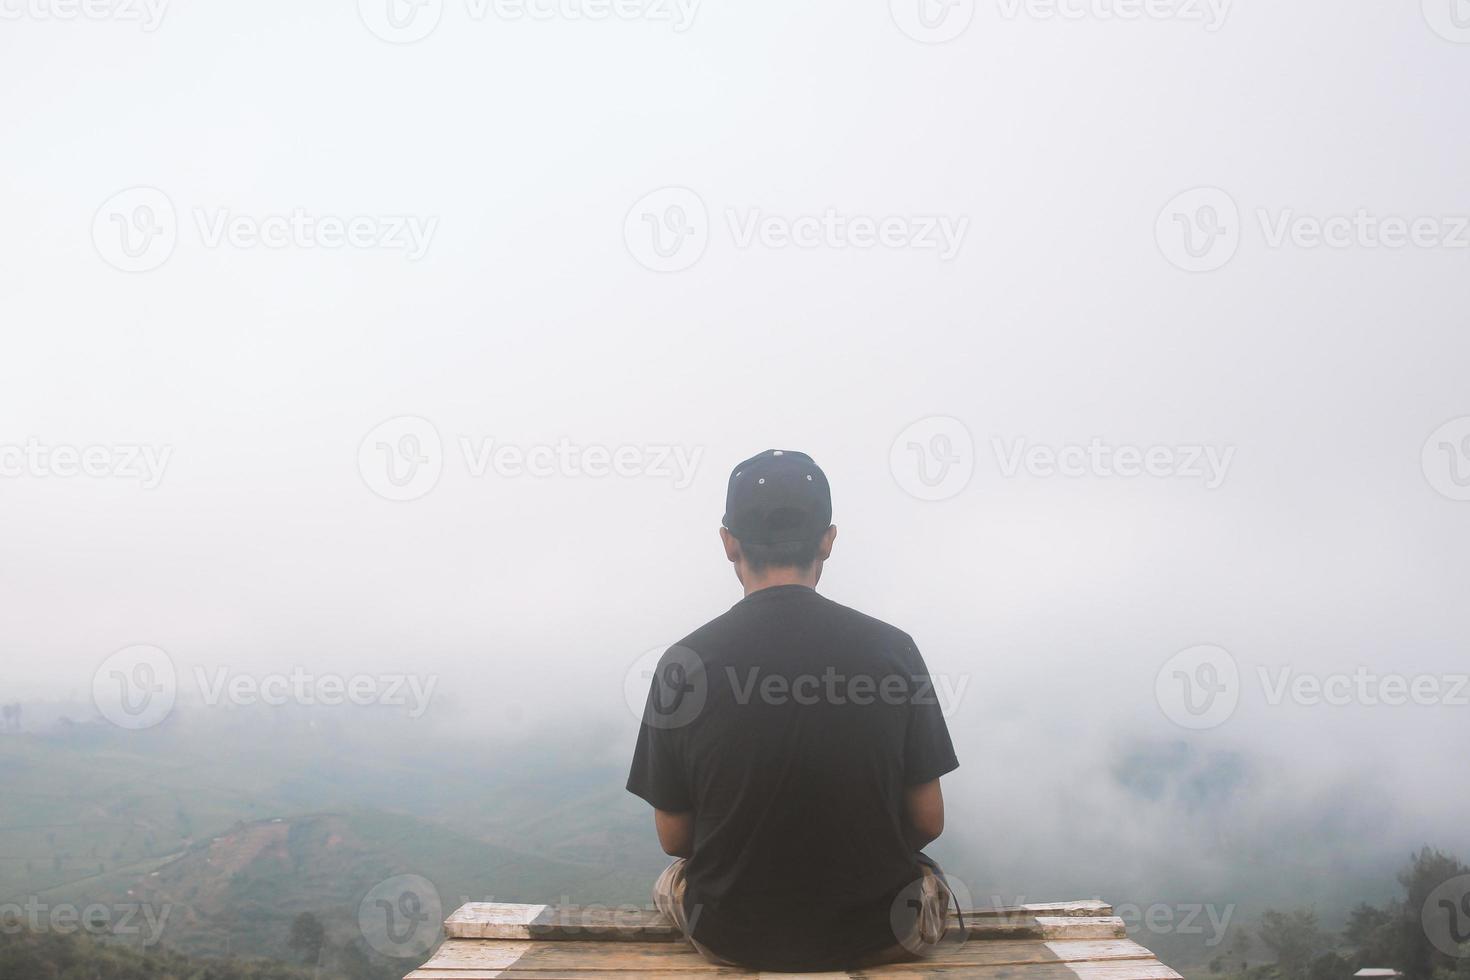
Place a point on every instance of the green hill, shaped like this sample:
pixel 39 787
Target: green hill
pixel 48 956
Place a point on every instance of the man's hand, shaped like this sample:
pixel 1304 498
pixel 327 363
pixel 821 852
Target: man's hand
pixel 676 832
pixel 923 814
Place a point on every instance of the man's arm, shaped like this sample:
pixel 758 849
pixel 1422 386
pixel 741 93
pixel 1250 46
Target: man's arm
pixel 675 832
pixel 923 814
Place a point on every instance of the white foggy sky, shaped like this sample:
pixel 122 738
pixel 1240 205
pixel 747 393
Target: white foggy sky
pixel 528 321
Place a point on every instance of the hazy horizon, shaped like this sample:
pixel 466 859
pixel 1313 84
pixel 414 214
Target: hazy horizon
pixel 424 362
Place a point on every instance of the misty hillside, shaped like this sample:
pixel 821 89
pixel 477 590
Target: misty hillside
pixel 239 824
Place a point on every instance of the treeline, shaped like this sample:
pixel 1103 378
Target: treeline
pixel 52 956
pixel 1425 935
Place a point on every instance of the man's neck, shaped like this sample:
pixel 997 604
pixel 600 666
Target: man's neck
pixel 773 577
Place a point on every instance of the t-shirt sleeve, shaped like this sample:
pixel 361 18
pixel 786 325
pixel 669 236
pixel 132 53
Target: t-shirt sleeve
pixel 928 752
pixel 658 774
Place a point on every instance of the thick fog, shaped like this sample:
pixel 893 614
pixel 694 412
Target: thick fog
pixel 413 349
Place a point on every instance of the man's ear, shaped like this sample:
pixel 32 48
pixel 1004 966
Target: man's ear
pixel 732 545
pixel 824 546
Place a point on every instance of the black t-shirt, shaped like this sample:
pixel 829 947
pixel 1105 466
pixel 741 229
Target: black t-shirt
pixel 791 726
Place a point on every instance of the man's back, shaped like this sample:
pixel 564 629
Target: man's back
pixel 791 727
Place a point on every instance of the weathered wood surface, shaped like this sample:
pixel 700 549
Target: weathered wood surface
pixel 483 920
pixel 533 942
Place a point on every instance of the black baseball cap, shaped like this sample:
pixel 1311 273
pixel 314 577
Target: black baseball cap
pixel 778 497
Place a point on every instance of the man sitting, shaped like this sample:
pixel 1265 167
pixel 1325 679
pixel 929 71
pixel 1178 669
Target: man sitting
pixel 792 749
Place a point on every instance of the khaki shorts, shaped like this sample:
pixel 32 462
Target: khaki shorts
pixel 928 899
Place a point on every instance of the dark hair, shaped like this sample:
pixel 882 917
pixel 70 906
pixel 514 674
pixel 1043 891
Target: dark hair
pixel 788 554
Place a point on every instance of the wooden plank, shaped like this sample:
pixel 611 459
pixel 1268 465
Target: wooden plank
pixel 1089 907
pixel 1121 970
pixel 473 959
pixel 1044 927
pixel 483 920
pixel 510 960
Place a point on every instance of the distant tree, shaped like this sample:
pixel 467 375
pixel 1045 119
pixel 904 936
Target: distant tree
pixel 1295 939
pixel 355 963
pixel 307 937
pixel 1239 950
pixel 1425 872
pixel 1329 966
pixel 181 820
pixel 1365 925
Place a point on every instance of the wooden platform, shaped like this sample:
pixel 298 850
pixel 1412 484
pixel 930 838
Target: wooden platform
pixel 1061 941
